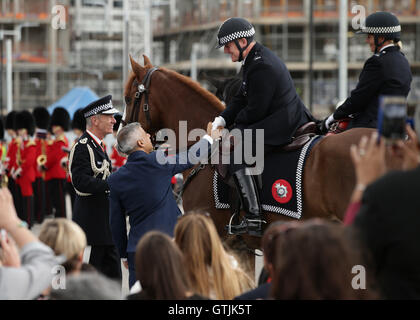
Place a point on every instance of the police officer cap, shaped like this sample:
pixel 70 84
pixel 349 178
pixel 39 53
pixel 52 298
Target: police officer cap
pixel 384 24
pixel 60 117
pixel 25 120
pixel 79 121
pixel 42 117
pixel 100 106
pixel 10 120
pixel 232 29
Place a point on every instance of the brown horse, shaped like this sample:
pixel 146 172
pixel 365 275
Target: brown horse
pixel 328 174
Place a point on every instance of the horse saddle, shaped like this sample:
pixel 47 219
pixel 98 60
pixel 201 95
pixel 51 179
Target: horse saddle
pixel 302 136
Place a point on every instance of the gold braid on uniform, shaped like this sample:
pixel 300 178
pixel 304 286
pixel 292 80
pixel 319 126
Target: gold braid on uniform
pixel 104 169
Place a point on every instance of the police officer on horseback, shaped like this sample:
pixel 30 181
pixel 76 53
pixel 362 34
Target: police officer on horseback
pixel 387 72
pixel 267 100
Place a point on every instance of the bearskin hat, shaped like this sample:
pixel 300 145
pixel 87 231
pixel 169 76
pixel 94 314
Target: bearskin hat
pixel 10 120
pixel 118 118
pixel 42 117
pixel 60 117
pixel 25 120
pixel 79 120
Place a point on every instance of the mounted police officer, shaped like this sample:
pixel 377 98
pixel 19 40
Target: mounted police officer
pixel 387 72
pixel 266 100
pixel 89 168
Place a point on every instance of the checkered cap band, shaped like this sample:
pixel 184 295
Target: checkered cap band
pixel 236 35
pixel 99 109
pixel 381 30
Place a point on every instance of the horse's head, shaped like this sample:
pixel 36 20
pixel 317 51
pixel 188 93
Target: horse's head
pixel 159 98
pixel 140 106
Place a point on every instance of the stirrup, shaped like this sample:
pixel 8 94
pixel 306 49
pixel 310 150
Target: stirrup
pixel 235 232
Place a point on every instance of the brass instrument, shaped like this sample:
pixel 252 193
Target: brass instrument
pixel 41 160
pixel 4 181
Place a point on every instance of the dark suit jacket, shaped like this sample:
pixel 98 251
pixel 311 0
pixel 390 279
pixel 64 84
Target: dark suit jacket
pixel 91 212
pixel 389 223
pixel 141 189
pixel 385 73
pixel 267 99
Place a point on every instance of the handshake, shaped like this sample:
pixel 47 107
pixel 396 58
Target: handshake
pixel 214 129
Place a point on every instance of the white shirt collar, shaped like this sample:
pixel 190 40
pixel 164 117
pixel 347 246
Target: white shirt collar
pixel 390 45
pixel 98 141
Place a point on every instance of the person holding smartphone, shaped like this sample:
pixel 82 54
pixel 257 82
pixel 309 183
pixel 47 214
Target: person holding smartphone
pixel 387 72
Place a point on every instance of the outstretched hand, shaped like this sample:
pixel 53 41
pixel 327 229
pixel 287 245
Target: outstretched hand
pixel 368 159
pixel 216 134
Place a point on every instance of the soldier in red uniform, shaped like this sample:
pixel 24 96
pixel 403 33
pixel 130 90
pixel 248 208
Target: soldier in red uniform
pixel 10 161
pixel 57 157
pixel 117 160
pixel 25 161
pixel 42 121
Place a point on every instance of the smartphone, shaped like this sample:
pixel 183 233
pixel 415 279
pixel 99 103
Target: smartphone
pixel 392 117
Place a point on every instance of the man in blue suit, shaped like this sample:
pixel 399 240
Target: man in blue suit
pixel 141 189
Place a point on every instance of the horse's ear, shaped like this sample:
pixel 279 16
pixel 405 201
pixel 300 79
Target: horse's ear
pixel 147 63
pixel 138 70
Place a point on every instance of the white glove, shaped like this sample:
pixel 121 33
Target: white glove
pixel 218 122
pixel 16 174
pixel 329 121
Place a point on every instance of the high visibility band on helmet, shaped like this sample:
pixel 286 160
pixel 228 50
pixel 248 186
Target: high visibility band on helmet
pixel 236 35
pixel 374 30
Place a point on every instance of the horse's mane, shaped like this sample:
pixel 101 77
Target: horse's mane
pixel 196 87
pixel 185 80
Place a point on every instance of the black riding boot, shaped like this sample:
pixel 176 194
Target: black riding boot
pixel 252 222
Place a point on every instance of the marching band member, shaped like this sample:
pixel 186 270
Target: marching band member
pixel 57 161
pixel 42 121
pixel 24 174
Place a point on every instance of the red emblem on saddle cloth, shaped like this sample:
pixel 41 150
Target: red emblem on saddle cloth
pixel 282 191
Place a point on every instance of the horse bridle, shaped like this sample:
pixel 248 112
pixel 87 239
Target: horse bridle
pixel 141 88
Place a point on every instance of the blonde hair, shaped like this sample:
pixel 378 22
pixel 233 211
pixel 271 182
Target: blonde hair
pixel 64 237
pixel 210 267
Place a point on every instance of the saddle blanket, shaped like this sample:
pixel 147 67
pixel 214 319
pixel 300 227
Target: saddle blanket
pixel 282 182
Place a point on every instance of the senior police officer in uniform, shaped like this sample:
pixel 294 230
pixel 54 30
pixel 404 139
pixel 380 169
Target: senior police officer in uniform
pixel 266 100
pixel 89 168
pixel 387 72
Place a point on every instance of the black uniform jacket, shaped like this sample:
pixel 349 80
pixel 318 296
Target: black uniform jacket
pixel 91 209
pixel 385 73
pixel 267 99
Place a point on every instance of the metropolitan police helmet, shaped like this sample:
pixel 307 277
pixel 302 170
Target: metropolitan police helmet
pixel 232 29
pixel 383 24
pixel 60 117
pixel 42 117
pixel 25 120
